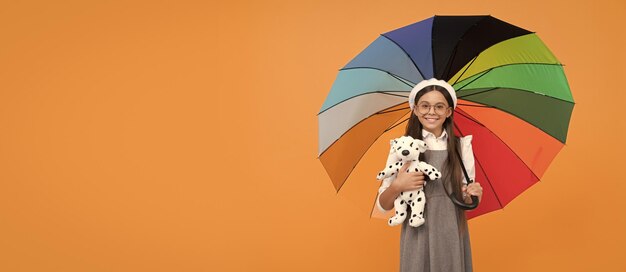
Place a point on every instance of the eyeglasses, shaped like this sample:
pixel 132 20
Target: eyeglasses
pixel 424 108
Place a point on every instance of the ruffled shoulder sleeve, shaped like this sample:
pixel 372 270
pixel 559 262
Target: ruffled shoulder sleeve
pixel 467 155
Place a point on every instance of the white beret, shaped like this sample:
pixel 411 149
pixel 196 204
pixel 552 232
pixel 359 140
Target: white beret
pixel 429 82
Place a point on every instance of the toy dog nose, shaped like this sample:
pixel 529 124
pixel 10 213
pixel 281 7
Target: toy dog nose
pixel 405 152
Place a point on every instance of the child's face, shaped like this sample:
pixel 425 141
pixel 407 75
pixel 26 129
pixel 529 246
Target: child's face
pixel 431 120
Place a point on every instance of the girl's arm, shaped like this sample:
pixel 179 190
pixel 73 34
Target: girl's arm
pixel 391 188
pixel 387 197
pixel 467 155
pixel 470 166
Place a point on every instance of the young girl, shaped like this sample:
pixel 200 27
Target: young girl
pixel 442 242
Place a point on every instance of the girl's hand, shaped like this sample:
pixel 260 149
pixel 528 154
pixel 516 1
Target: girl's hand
pixel 408 181
pixel 473 189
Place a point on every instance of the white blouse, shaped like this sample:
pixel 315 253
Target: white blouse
pixel 440 143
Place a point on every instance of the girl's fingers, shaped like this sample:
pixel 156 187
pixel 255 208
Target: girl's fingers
pixel 474 189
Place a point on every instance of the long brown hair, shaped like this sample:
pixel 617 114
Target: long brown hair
pixel 452 163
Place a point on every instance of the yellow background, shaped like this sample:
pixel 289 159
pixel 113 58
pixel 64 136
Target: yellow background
pixel 182 136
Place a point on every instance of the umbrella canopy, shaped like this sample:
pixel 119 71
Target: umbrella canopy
pixel 512 92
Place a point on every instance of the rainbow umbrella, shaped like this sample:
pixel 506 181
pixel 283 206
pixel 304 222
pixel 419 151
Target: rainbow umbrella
pixel 512 92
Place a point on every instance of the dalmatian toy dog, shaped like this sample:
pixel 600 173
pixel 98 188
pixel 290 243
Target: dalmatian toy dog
pixel 407 150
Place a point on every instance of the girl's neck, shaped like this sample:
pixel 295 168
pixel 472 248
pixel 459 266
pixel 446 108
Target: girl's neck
pixel 437 132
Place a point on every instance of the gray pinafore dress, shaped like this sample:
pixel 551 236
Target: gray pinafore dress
pixel 442 243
